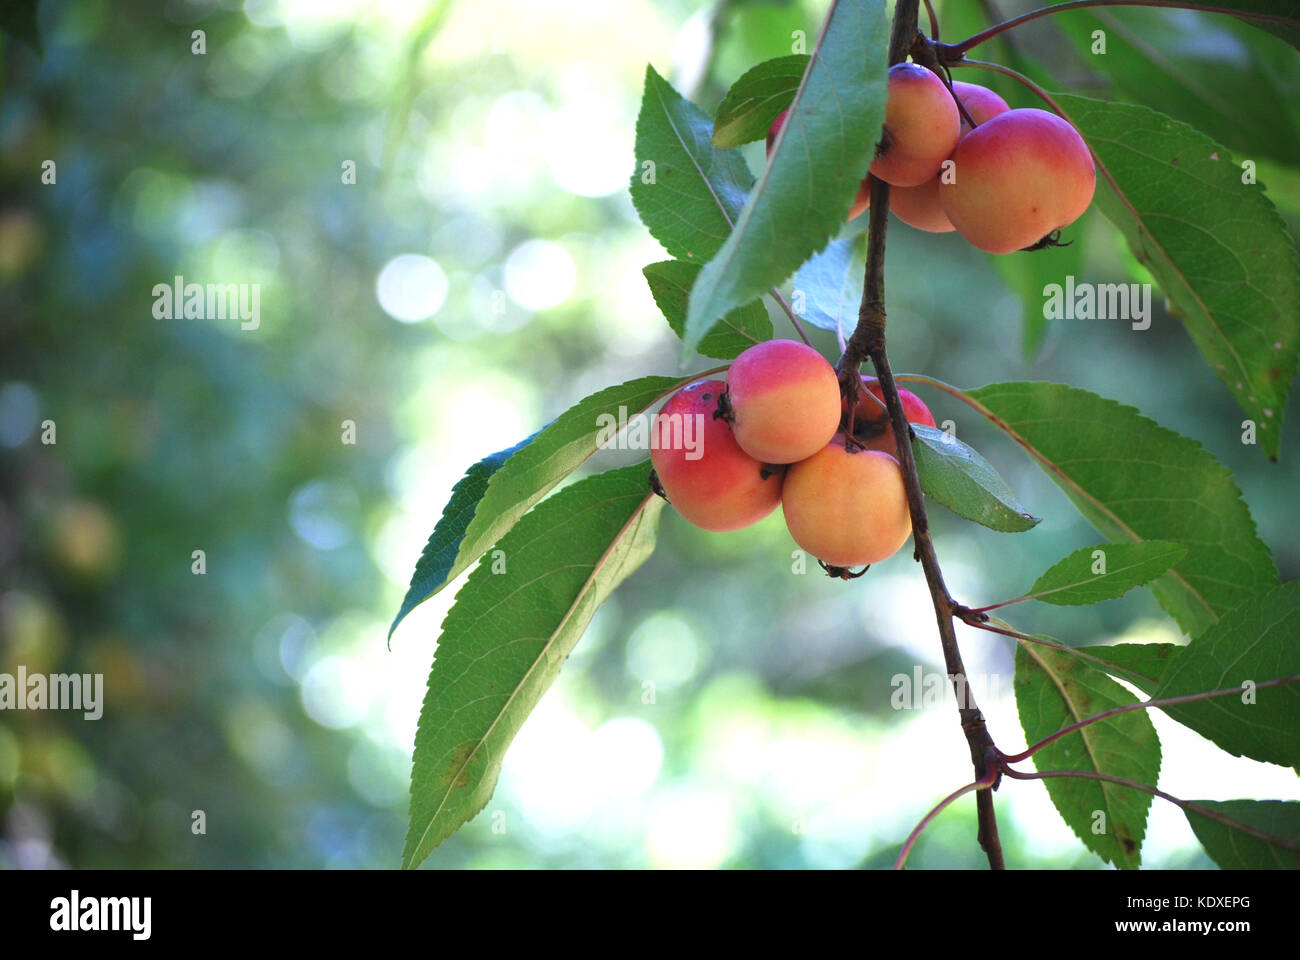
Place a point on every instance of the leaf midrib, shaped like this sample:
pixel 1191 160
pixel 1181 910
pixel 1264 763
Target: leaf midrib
pixel 586 587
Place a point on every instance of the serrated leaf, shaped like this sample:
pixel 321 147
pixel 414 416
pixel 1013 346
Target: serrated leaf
pixel 437 560
pixel 1135 480
pixel 1211 72
pixel 1072 581
pixel 1218 248
pixel 670 284
pixel 821 155
pixel 1055 689
pixel 508 634
pixel 1254 643
pixel 687 191
pixel 1141 664
pixel 828 287
pixel 1233 848
pixel 498 490
pixel 955 475
pixel 754 101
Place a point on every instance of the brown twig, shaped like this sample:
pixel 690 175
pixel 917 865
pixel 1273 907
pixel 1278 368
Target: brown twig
pixel 868 341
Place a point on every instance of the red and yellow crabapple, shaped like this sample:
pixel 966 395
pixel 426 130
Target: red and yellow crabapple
pixel 1018 178
pixel 922 125
pixel 784 401
pixel 846 505
pixel 704 473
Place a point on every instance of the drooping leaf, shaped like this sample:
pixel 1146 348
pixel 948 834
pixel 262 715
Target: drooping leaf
pixel 1055 689
pixel 1278 17
pixel 437 560
pixel 753 102
pixel 500 489
pixel 821 155
pixel 1211 72
pixel 1141 664
pixel 687 191
pixel 1135 480
pixel 1233 848
pixel 955 475
pixel 1257 642
pixel 508 634
pixel 670 284
pixel 828 287
pixel 1075 580
pixel 1218 248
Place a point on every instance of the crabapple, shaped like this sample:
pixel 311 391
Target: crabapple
pixel 847 505
pixel 922 125
pixel 871 420
pixel 784 401
pixel 704 473
pixel 919 206
pixel 774 129
pixel 1019 177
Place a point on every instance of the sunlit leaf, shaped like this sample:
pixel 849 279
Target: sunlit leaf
pixel 1055 689
pixel 508 634
pixel 1134 480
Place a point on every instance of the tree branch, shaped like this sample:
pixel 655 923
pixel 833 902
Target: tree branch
pixel 868 341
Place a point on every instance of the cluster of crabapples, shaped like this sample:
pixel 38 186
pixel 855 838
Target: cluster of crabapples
pixel 778 431
pixel 1015 179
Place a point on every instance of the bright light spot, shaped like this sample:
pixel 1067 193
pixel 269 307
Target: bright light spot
pixel 411 287
pixel 588 157
pixel 539 274
pixel 663 650
pixel 324 513
pixel 629 753
pixel 334 695
pixel 693 829
pixel 549 769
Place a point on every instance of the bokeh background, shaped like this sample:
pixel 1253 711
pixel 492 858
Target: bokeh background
pixel 481 275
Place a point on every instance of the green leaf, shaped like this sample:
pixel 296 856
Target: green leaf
pixel 498 490
pixel 670 284
pixel 1211 72
pixel 828 287
pixel 507 636
pixel 1233 848
pixel 1252 644
pixel 1278 17
pixel 754 101
pixel 1075 580
pixel 1135 480
pixel 687 191
pixel 1141 664
pixel 1055 689
pixel 1218 248
pixel 958 477
pixel 821 155
pixel 434 567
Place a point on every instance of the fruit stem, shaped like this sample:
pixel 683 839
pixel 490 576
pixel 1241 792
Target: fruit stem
pixel 868 341
pixel 794 321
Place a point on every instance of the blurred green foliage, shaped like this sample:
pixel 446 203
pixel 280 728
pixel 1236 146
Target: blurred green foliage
pixel 495 141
